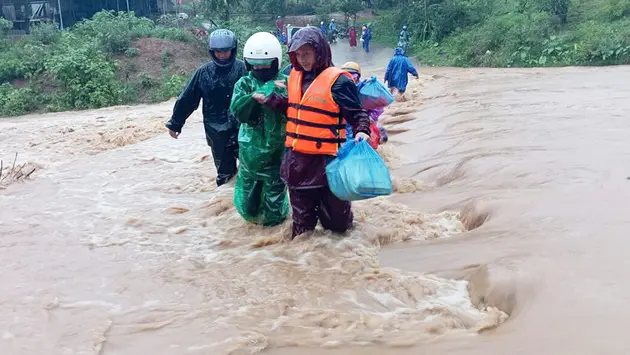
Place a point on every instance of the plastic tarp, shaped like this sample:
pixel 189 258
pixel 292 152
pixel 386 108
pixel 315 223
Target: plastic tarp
pixel 260 195
pixel 375 95
pixel 358 173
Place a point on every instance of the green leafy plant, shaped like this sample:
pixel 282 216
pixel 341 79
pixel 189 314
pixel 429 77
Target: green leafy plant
pixel 16 101
pixel 5 27
pixel 87 78
pixel 132 52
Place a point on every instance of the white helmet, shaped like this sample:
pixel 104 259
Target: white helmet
pixel 262 46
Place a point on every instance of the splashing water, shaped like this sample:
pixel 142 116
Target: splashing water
pixel 127 246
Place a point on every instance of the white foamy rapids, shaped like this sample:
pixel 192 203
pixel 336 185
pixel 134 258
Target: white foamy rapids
pixel 319 290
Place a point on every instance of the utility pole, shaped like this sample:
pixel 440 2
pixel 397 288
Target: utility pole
pixel 60 14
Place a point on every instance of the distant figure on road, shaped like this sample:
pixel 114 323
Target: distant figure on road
pixel 404 39
pixel 323 28
pixel 366 36
pixel 352 37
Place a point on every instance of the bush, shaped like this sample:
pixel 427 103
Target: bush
pixel 558 8
pixel 602 44
pixel 131 52
pixel 87 78
pixel 166 58
pixel 301 8
pixel 171 87
pixel 494 42
pixel 146 82
pixel 521 33
pixel 114 31
pixel 21 60
pixel 45 33
pixel 14 101
pixel 173 34
pixel 5 27
pixel 616 9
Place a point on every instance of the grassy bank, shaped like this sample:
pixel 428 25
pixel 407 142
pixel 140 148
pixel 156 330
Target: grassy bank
pixel 110 59
pixel 511 33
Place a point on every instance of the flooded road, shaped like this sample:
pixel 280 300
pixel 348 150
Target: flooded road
pixel 122 244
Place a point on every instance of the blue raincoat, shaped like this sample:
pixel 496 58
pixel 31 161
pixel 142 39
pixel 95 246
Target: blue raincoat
pixel 367 36
pixel 397 69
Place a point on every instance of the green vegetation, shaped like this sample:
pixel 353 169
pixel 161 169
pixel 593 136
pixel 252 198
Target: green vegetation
pixel 55 70
pixel 510 33
pixel 118 58
pixel 99 62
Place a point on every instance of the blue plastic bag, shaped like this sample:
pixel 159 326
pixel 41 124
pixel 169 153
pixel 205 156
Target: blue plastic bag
pixel 374 95
pixel 358 173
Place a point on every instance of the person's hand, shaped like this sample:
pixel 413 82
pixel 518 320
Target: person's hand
pixel 280 84
pixel 417 77
pixel 361 136
pixel 173 133
pixel 260 98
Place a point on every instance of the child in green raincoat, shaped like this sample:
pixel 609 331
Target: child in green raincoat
pixel 260 195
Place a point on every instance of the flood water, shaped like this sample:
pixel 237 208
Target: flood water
pixel 506 233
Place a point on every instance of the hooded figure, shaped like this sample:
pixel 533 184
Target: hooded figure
pixel 366 37
pixel 397 69
pixel 321 99
pixel 214 83
pixel 260 195
pixel 352 37
pixel 404 39
pixel 323 28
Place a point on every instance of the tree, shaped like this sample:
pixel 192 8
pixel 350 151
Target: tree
pixel 350 9
pixel 220 6
pixel 558 8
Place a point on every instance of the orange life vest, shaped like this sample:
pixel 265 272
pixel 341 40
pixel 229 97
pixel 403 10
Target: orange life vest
pixel 314 123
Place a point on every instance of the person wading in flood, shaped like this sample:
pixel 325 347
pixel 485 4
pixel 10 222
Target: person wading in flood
pixel 260 195
pixel 214 83
pixel 321 98
pixel 397 70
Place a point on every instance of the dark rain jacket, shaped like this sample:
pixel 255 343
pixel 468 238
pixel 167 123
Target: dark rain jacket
pixel 214 84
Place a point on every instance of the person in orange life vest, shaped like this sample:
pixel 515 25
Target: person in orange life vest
pixel 321 100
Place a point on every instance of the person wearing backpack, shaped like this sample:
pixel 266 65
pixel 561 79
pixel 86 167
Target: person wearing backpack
pixel 378 134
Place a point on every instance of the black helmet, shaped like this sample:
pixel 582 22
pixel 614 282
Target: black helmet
pixel 222 40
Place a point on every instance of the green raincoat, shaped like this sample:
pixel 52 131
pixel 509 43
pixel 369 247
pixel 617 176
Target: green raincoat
pixel 260 195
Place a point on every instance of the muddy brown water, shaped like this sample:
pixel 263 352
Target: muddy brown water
pixel 121 243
